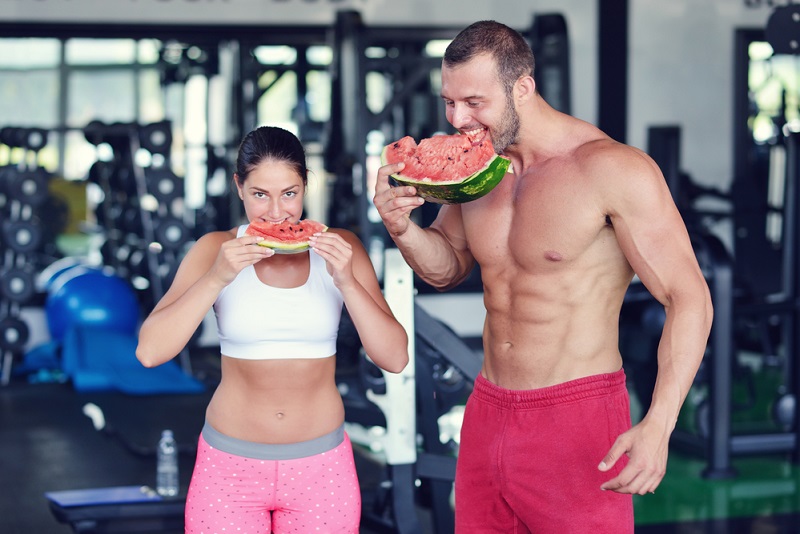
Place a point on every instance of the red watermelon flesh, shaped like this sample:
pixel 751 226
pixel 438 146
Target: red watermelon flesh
pixel 441 158
pixel 285 236
pixel 447 169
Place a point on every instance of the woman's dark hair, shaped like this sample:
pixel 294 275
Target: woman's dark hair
pixel 274 144
pixel 508 47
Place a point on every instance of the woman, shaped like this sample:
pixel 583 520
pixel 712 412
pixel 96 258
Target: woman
pixel 273 455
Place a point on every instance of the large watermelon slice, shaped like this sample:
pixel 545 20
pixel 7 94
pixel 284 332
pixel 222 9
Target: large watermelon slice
pixel 285 237
pixel 447 169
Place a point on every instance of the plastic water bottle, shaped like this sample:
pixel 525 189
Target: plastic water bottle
pixel 167 465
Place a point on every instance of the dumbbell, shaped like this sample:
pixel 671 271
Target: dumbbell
pixel 18 284
pixel 171 233
pixel 22 236
pixel 14 334
pixel 100 172
pixel 27 187
pixel 34 138
pixel 156 138
pixel 163 184
pixel 29 138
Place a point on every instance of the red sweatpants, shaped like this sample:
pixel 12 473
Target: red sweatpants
pixel 528 459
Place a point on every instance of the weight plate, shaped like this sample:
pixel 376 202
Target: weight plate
pixel 172 233
pixel 35 138
pixel 8 173
pixel 156 138
pixel 164 185
pixel 132 220
pixel 30 187
pixel 100 173
pixel 22 236
pixel 17 285
pixel 13 334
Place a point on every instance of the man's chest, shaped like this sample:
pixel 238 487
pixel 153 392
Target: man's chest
pixel 535 225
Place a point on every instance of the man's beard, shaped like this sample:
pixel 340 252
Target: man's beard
pixel 508 131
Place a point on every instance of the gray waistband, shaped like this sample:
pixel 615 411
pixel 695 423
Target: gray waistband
pixel 272 451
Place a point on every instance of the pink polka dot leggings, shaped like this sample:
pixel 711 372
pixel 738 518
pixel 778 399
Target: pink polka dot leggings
pixel 252 488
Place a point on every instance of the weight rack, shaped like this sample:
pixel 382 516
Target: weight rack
pixel 142 216
pixel 24 197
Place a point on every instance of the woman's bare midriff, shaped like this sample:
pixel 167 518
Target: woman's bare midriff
pixel 276 401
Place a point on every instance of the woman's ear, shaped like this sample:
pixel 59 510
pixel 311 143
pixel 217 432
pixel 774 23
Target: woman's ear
pixel 237 186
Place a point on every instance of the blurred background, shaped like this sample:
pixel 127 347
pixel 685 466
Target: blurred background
pixel 119 124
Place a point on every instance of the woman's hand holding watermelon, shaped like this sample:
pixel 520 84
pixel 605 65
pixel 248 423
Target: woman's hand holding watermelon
pixel 338 254
pixel 236 254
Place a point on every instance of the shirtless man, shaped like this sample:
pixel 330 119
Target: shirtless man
pixel 547 443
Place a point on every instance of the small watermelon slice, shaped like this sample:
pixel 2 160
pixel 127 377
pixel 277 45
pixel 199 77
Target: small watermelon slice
pixel 447 169
pixel 285 237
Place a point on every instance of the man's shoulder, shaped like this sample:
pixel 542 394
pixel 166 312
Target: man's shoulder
pixel 603 155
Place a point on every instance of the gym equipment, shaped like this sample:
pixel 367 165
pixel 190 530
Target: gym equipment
pixel 550 44
pixel 24 240
pixel 116 509
pixel 171 233
pixel 755 305
pixel 22 236
pixel 13 334
pixel 99 358
pixel 781 30
pixel 164 184
pixel 398 403
pixel 146 232
pixel 420 468
pixel 119 508
pixel 84 296
pixel 33 139
pixel 156 137
pixel 29 187
pixel 17 284
pixel 48 275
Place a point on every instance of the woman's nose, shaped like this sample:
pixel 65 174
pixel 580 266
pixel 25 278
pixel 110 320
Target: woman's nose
pixel 273 209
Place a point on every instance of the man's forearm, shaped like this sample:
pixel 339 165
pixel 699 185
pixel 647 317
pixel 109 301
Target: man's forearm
pixel 680 352
pixel 433 257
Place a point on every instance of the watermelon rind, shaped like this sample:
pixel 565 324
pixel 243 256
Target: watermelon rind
pixel 287 248
pixel 470 188
pixel 280 248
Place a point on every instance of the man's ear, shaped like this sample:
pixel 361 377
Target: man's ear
pixel 524 89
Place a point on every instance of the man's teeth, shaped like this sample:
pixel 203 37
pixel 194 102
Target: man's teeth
pixel 474 132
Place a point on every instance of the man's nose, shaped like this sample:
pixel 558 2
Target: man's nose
pixel 461 116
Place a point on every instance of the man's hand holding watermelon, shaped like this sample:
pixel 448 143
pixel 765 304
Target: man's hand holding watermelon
pixel 395 204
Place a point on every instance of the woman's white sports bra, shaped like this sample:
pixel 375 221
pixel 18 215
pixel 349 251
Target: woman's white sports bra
pixel 260 322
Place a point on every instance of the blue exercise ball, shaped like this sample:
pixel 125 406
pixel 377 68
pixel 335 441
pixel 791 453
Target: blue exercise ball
pixel 87 296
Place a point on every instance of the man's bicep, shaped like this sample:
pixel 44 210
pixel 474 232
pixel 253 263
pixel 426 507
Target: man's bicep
pixel 654 239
